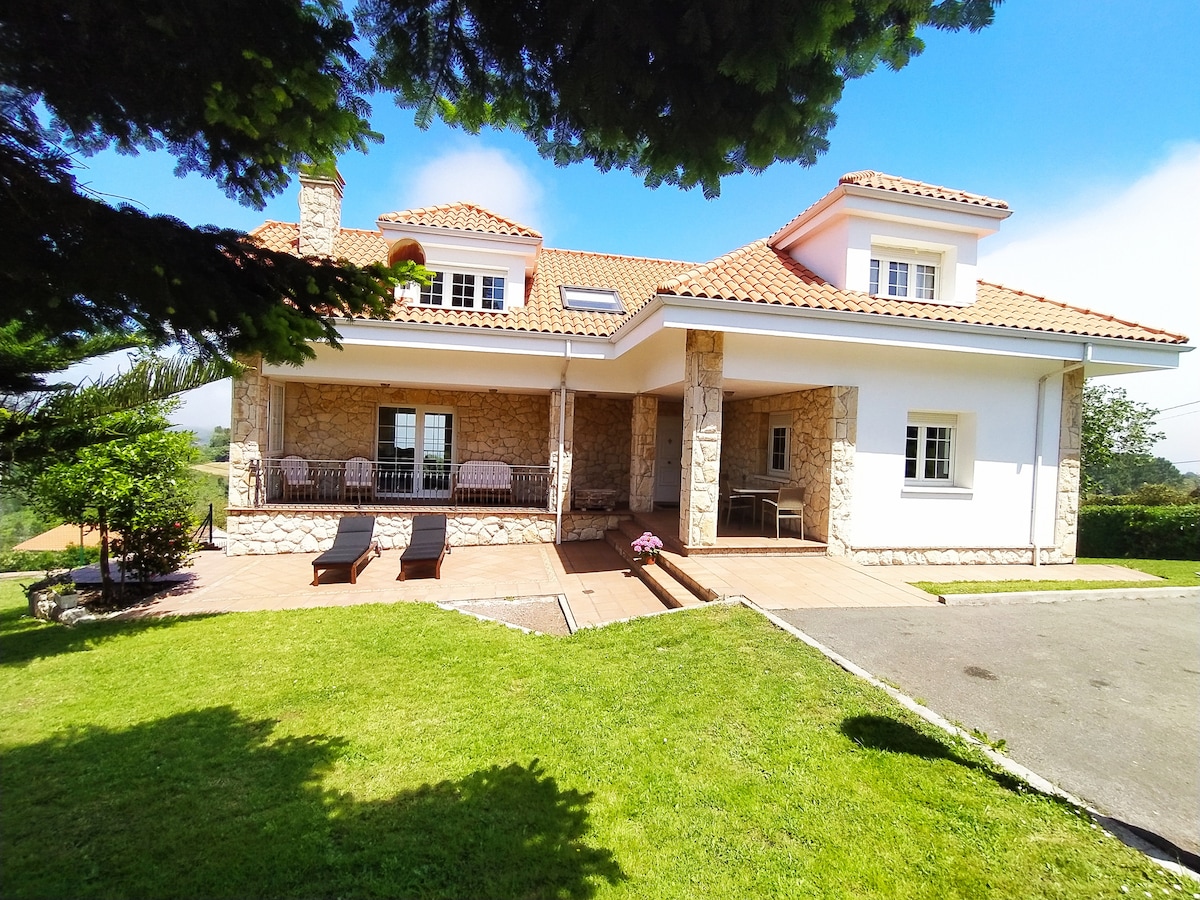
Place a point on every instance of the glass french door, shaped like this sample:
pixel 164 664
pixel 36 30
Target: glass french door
pixel 415 451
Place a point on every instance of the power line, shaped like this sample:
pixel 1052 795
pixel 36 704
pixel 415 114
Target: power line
pixel 1180 406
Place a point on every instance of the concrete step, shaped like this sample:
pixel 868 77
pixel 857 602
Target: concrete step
pixel 677 586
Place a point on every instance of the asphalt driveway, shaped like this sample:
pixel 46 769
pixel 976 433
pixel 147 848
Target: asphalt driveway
pixel 1101 697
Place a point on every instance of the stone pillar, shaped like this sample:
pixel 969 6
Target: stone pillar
pixel 320 213
pixel 1070 443
pixel 248 431
pixel 643 450
pixel 699 496
pixel 561 468
pixel 841 469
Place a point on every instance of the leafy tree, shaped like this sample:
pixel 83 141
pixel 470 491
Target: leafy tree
pixel 1113 426
pixel 1127 472
pixel 245 104
pixel 683 92
pixel 218 444
pixel 40 418
pixel 138 487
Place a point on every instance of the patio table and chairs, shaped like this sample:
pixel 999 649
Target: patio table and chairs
pixel 757 497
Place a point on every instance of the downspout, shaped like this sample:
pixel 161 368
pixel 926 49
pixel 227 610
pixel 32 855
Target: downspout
pixel 562 443
pixel 1037 446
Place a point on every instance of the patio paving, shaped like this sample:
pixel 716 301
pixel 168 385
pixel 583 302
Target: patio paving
pixel 596 582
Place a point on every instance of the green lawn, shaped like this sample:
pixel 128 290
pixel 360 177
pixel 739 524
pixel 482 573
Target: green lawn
pixel 1173 572
pixel 403 751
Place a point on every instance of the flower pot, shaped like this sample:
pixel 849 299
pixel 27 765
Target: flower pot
pixel 67 601
pixel 649 560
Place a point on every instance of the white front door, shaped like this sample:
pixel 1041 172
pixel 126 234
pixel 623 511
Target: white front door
pixel 669 452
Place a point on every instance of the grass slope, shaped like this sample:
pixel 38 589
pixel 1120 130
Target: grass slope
pixel 403 751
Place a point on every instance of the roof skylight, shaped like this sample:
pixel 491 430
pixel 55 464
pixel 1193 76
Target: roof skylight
pixel 591 299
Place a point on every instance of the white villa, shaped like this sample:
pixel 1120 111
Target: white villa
pixel 536 394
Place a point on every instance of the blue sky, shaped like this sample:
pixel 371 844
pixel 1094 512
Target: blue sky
pixel 1084 116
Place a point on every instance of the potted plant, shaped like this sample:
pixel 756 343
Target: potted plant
pixel 647 548
pixel 64 594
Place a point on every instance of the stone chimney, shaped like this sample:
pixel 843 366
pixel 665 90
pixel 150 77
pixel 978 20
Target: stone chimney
pixel 320 212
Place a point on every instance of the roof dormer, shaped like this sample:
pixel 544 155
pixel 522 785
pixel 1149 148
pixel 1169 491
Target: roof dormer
pixel 894 238
pixel 482 261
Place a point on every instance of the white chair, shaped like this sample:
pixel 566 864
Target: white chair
pixel 789 505
pixel 358 480
pixel 297 482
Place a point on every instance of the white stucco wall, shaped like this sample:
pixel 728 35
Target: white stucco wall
pixel 995 399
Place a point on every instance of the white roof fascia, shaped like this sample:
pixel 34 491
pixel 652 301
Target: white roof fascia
pixel 872 328
pixel 470 339
pixel 456 236
pixel 887 205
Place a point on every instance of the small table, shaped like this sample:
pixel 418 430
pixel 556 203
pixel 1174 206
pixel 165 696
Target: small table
pixel 596 498
pixel 759 494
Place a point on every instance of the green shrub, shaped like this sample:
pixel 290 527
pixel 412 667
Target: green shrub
pixel 1141 532
pixel 1147 495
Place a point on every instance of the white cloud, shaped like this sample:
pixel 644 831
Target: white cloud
pixel 485 177
pixel 1132 255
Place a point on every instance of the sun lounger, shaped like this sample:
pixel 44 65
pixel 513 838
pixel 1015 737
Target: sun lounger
pixel 426 549
pixel 351 547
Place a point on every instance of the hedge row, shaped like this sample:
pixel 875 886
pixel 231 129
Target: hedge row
pixel 46 560
pixel 1140 532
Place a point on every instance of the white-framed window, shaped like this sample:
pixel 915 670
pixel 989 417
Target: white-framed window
pixel 431 294
pixel 929 448
pixel 905 274
pixel 779 445
pixel 275 400
pixel 465 290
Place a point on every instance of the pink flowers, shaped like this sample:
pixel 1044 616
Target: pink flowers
pixel 647 545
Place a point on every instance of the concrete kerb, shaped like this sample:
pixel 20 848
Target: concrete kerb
pixel 1117 829
pixel 1015 597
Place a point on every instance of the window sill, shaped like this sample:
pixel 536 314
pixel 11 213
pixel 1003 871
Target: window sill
pixel 936 490
pixel 776 477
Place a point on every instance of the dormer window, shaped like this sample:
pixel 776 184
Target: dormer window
pixel 904 274
pixel 465 290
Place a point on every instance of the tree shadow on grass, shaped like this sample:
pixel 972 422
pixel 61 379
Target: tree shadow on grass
pixel 206 803
pixel 895 736
pixel 24 638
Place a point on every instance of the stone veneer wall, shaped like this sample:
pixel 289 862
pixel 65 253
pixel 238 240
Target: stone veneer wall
pixel 338 421
pixel 643 452
pixel 602 434
pixel 257 532
pixel 562 469
pixel 823 434
pixel 699 495
pixel 841 469
pixel 320 214
pixel 248 431
pixel 1070 445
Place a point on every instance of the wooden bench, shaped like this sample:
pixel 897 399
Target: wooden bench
pixel 484 481
pixel 351 546
pixel 426 549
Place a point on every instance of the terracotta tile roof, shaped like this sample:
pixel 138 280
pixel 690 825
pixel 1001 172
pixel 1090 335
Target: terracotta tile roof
pixel 352 244
pixel 634 278
pixel 872 179
pixel 462 216
pixel 758 273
